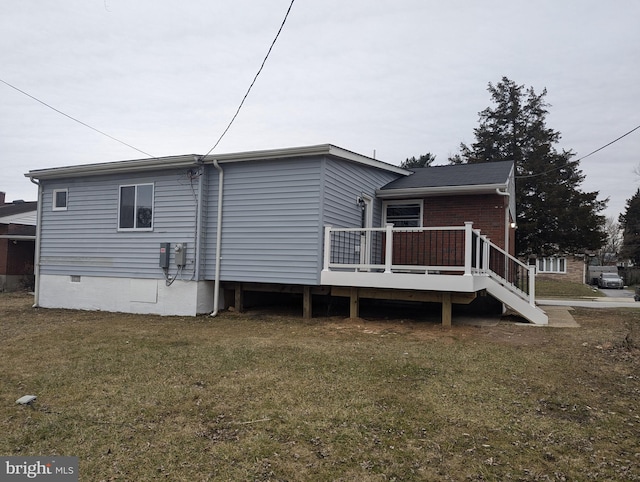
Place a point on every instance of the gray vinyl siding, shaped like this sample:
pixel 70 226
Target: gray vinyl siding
pixel 271 212
pixel 84 239
pixel 274 212
pixel 344 182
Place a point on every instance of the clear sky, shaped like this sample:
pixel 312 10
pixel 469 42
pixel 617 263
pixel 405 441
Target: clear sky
pixel 396 77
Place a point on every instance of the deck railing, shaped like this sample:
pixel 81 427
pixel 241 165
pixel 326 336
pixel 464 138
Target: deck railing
pixel 453 250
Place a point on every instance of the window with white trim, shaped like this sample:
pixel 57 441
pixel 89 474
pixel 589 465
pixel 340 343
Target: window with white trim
pixel 60 199
pixel 552 264
pixel 403 214
pixel 135 207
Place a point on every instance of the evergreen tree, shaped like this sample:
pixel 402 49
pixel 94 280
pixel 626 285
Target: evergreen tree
pixel 630 224
pixel 553 214
pixel 423 161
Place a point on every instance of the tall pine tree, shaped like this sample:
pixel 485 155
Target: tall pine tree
pixel 425 160
pixel 553 214
pixel 630 224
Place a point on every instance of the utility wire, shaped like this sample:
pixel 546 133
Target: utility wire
pixel 578 160
pixel 74 119
pixel 253 82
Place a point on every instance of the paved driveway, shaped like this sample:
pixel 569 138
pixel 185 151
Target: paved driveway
pixel 625 293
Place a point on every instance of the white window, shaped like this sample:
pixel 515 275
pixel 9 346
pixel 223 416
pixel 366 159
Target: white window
pixel 403 214
pixel 60 199
pixel 552 264
pixel 135 207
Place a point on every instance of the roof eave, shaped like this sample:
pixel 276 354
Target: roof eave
pixel 439 191
pixel 306 151
pixel 188 160
pixel 116 167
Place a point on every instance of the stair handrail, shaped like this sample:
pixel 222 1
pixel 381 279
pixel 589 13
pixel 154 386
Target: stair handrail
pixel 530 297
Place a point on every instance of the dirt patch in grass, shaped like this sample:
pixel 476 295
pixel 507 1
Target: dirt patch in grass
pixel 268 396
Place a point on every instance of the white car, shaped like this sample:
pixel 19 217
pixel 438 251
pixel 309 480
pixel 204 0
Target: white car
pixel 610 280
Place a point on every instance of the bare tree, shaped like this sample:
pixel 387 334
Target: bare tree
pixel 611 249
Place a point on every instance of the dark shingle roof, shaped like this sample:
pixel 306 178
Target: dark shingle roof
pixel 454 175
pixel 17 208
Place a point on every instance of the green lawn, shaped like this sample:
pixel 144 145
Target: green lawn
pixel 268 396
pixel 565 289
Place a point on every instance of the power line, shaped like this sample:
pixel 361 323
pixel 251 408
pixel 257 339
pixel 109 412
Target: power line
pixel 254 80
pixel 578 160
pixel 74 119
pixel 264 61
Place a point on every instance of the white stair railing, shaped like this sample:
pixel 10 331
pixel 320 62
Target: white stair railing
pixel 431 250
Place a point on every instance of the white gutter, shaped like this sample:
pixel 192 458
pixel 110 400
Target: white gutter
pixel 439 191
pixel 216 287
pixel 307 151
pixel 17 237
pixel 36 254
pixel 117 167
pixel 187 160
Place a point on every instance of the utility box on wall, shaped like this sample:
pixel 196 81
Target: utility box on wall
pixel 165 255
pixel 180 254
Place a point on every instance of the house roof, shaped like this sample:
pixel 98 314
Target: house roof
pixel 453 179
pixel 195 159
pixel 19 213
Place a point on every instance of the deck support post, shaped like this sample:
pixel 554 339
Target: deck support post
pixel 306 303
pixel 446 309
pixel 354 302
pixel 239 298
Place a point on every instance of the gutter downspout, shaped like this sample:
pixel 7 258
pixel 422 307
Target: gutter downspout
pixel 216 287
pixel 36 254
pixel 506 229
pixel 506 219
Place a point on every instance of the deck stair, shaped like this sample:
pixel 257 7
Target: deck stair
pixel 456 259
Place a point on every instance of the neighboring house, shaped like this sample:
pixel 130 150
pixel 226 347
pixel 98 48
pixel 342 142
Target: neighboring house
pixel 562 267
pixel 17 243
pixel 172 235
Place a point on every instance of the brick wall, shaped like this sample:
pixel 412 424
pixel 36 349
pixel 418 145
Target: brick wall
pixel 16 258
pixel 446 248
pixel 487 212
pixel 4 248
pixel 575 271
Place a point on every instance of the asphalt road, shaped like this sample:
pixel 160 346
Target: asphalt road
pixel 614 299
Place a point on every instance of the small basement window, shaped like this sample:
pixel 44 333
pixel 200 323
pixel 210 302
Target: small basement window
pixel 60 198
pixel 135 207
pixel 403 214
